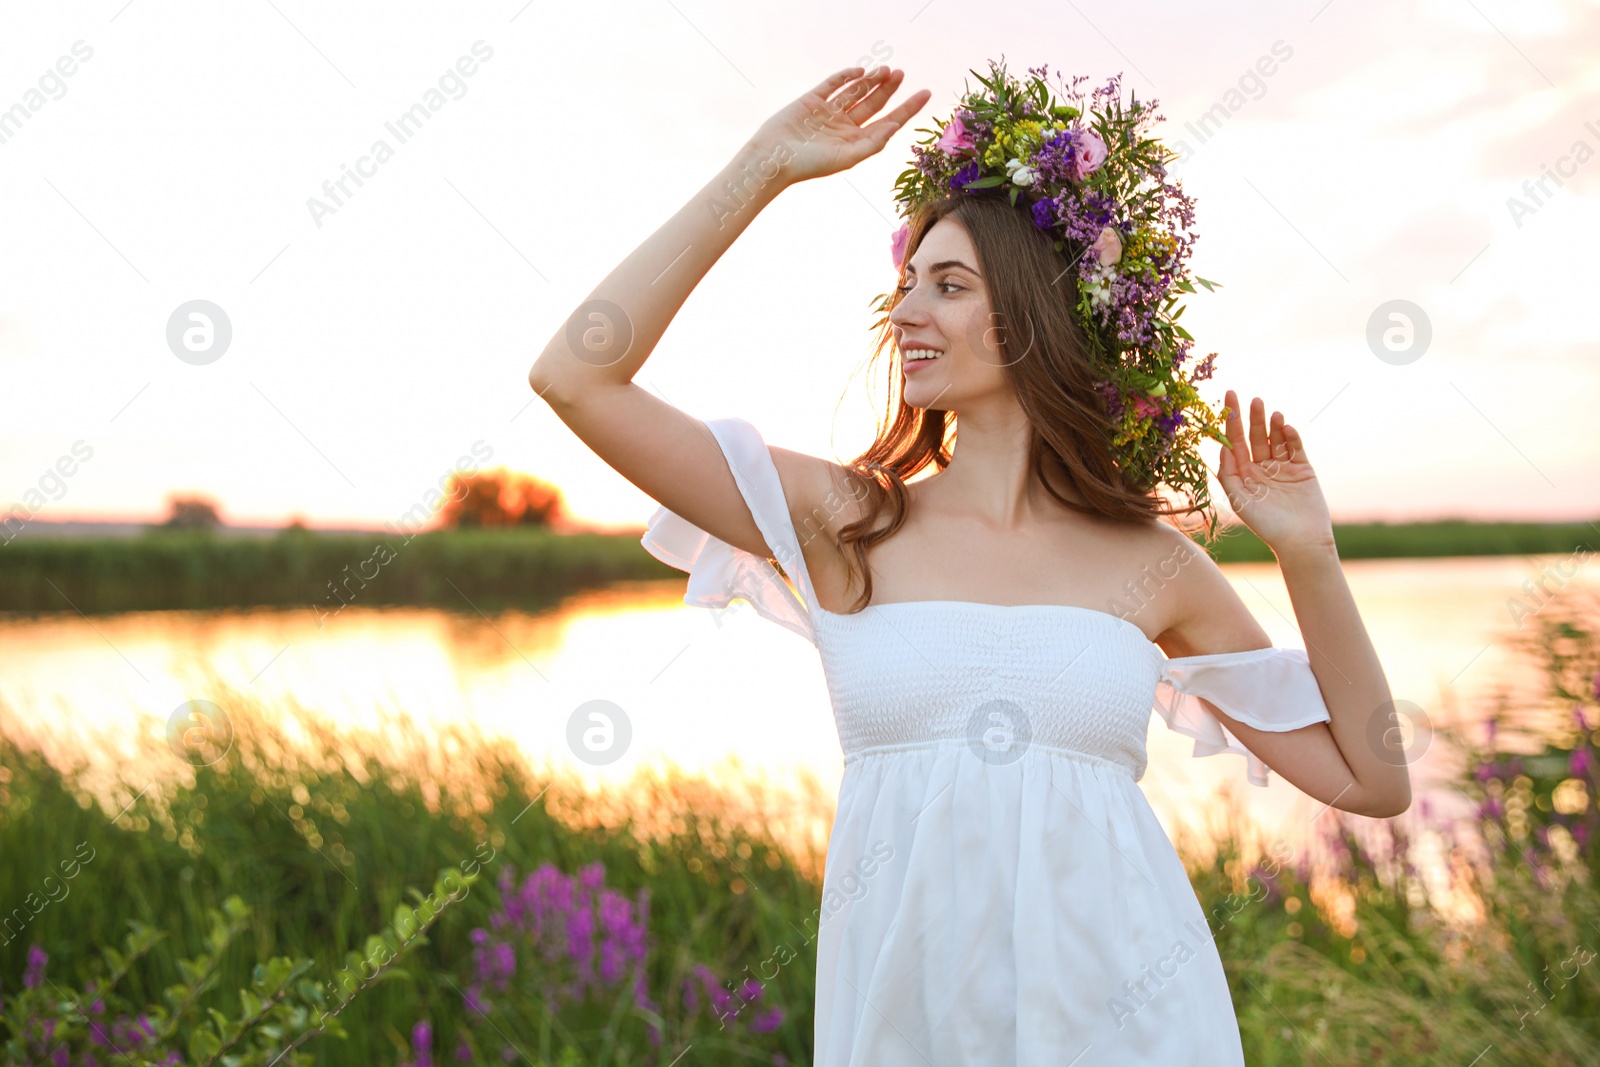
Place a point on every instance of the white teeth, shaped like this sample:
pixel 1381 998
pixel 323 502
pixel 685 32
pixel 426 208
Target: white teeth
pixel 920 353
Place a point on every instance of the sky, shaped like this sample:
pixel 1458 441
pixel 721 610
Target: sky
pixel 1393 153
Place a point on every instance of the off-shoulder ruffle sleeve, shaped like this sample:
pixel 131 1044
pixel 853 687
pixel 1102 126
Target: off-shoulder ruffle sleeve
pixel 1270 689
pixel 719 572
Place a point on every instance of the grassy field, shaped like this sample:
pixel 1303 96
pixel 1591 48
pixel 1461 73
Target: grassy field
pixel 614 934
pixel 523 568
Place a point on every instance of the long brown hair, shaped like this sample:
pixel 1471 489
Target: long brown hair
pixel 1033 292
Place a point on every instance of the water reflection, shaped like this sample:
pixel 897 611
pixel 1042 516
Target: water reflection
pixel 726 695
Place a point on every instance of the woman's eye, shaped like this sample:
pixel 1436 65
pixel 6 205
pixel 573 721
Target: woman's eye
pixel 941 285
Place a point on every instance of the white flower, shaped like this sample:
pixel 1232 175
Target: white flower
pixel 1020 174
pixel 1098 285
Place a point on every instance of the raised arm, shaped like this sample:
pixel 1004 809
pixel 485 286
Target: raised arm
pixel 586 371
pixel 1355 761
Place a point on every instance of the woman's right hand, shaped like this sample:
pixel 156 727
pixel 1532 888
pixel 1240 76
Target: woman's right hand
pixel 822 132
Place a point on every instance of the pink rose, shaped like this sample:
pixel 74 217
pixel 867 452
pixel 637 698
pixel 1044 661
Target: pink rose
pixel 1108 246
pixel 1091 152
pixel 897 244
pixel 956 138
pixel 1145 408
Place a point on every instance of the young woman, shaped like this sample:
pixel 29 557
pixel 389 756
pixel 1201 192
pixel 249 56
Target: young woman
pixel 994 635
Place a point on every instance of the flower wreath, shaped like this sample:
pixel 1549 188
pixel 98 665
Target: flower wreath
pixel 1086 176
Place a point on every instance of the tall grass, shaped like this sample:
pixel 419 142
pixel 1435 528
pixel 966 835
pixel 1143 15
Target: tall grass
pixel 1349 953
pixel 321 831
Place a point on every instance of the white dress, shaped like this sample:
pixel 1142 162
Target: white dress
pixel 998 890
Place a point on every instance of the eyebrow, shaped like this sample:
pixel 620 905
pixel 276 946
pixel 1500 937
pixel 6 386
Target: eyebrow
pixel 944 264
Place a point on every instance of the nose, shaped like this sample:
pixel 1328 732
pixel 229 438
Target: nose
pixel 907 311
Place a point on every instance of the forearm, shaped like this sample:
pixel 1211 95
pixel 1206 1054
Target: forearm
pixel 608 337
pixel 1349 674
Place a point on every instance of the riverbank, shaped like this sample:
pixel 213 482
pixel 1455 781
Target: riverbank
pixel 525 568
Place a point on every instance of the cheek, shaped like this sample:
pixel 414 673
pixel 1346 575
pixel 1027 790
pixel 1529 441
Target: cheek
pixel 977 331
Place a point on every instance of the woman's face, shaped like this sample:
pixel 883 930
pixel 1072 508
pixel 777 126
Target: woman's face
pixel 944 306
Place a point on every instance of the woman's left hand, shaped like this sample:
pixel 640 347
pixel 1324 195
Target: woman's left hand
pixel 1270 483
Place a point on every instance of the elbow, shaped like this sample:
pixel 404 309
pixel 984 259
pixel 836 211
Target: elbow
pixel 543 382
pixel 1387 807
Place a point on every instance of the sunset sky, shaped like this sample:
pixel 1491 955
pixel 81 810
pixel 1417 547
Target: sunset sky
pixel 1395 152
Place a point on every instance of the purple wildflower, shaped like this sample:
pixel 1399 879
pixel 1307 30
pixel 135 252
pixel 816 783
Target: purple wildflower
pixel 37 958
pixel 968 173
pixel 1580 763
pixel 421 1044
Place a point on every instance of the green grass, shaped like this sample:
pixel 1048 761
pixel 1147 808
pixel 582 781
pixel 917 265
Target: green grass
pixel 1353 960
pixel 526 568
pixel 493 569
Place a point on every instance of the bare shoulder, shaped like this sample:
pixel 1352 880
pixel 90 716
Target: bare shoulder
pixel 823 496
pixel 1207 615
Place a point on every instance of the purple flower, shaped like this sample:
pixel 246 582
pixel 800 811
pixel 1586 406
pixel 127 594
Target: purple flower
pixel 422 1044
pixel 35 972
pixel 474 1001
pixel 1580 763
pixel 966 174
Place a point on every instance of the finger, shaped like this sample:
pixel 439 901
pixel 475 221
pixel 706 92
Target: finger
pixel 878 133
pixel 1241 454
pixel 868 105
pixel 1280 451
pixel 856 90
pixel 1296 445
pixel 1260 448
pixel 825 87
